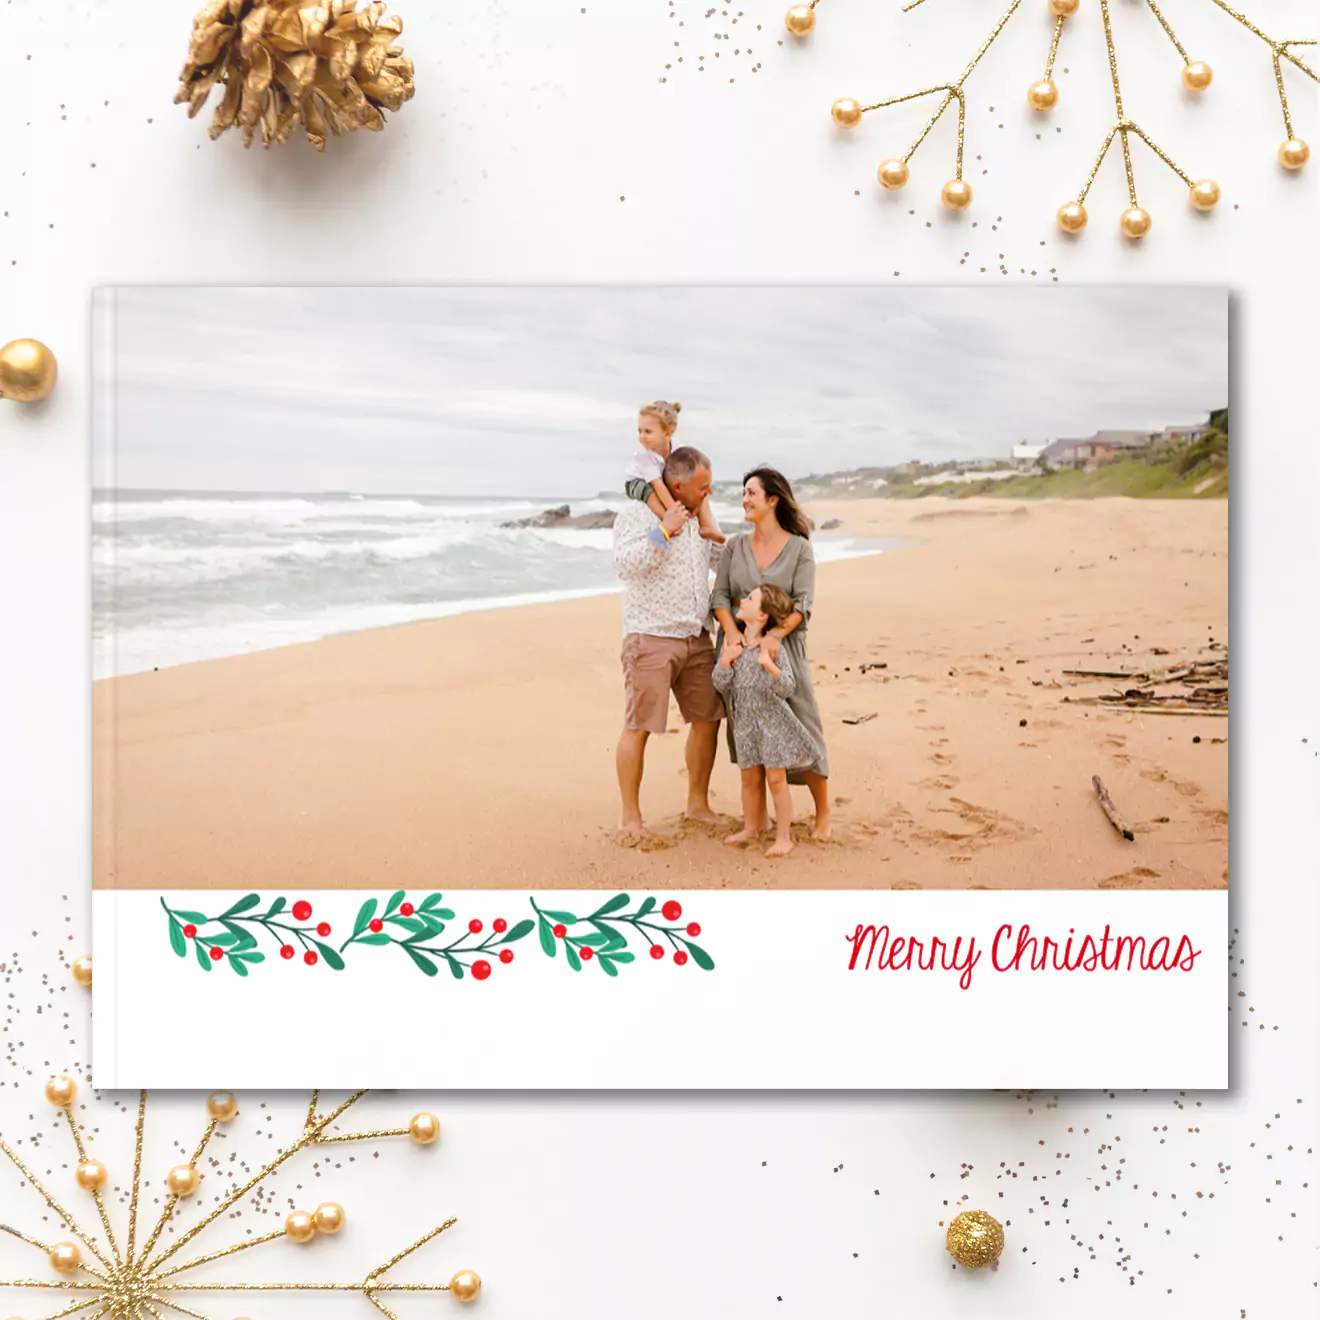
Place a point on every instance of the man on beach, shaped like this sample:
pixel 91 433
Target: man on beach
pixel 665 566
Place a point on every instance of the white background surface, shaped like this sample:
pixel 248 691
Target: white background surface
pixel 532 120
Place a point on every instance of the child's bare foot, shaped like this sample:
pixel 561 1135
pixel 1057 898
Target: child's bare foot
pixel 703 814
pixel 713 534
pixel 744 835
pixel 823 829
pixel 780 848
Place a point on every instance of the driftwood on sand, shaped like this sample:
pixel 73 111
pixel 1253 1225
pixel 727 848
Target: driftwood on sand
pixel 1107 806
pixel 1206 679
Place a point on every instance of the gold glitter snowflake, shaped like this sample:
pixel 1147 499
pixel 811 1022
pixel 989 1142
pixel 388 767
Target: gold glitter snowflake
pixel 1043 96
pixel 133 1284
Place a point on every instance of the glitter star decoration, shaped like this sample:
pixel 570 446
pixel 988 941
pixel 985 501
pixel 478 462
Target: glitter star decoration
pixel 125 1283
pixel 1043 95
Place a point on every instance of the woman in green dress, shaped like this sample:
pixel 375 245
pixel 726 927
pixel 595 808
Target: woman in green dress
pixel 778 550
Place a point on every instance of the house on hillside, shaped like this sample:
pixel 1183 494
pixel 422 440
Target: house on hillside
pixel 1026 454
pixel 1103 447
pixel 1183 434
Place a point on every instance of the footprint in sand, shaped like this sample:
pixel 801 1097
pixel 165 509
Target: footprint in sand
pixel 1187 788
pixel 940 758
pixel 1154 776
pixel 1129 879
pixel 1214 815
pixel 938 742
pixel 941 782
pixel 639 840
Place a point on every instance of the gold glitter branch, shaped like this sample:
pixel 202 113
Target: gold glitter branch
pixel 135 1285
pixel 957 193
pixel 1294 153
pixel 1135 222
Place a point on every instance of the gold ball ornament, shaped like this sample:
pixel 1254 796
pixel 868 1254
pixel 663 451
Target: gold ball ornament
pixel 424 1128
pixel 956 194
pixel 183 1180
pixel 1204 195
pixel 1197 76
pixel 65 1257
pixel 975 1239
pixel 82 969
pixel 90 1175
pixel 1072 217
pixel 1135 222
pixel 892 174
pixel 61 1091
pixel 1064 8
pixel 1043 95
pixel 799 21
pixel 465 1285
pixel 1294 154
pixel 846 112
pixel 328 1217
pixel 222 1106
pixel 300 1226
pixel 27 371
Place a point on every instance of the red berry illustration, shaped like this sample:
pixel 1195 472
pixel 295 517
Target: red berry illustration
pixel 323 929
pixel 560 931
pixel 407 909
pixel 286 951
pixel 481 969
pixel 506 955
pixel 499 925
pixel 474 926
pixel 657 951
pixel 216 954
pixel 587 953
pixel 680 957
pixel 672 910
pixel 693 929
pixel 190 930
pixel 310 958
pixel 375 925
pixel 302 909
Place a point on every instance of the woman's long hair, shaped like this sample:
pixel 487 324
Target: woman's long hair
pixel 775 484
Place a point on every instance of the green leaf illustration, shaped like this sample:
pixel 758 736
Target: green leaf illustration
pixel 177 941
pixel 701 957
pixel 594 941
pixel 617 902
pixel 239 966
pixel 250 901
pixel 566 917
pixel 430 901
pixel 421 960
pixel 275 908
pixel 202 956
pixel 572 955
pixel 395 899
pixel 547 938
pixel 196 918
pixel 225 941
pixel 330 956
pixel 376 937
pixel 517 931
pixel 647 905
pixel 364 916
pixel 456 967
pixel 624 957
pixel 607 966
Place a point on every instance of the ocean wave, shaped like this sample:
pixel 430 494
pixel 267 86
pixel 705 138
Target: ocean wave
pixel 297 509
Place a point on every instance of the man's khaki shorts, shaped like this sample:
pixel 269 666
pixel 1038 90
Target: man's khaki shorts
pixel 655 666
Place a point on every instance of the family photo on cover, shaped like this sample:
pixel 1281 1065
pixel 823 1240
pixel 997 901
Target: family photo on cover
pixel 670 587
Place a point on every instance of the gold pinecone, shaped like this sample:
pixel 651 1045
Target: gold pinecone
pixel 283 63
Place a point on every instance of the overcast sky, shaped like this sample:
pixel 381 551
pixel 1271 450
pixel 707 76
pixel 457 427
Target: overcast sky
pixel 534 390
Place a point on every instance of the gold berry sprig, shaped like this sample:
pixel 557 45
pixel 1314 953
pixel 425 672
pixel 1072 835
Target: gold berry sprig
pixel 1043 95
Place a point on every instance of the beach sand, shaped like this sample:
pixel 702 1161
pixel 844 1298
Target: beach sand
pixel 478 751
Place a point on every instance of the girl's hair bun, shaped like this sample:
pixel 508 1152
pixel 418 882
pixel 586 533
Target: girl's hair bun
pixel 677 407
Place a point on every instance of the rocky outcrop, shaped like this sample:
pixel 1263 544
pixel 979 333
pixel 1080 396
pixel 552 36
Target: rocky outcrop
pixel 831 525
pixel 563 516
